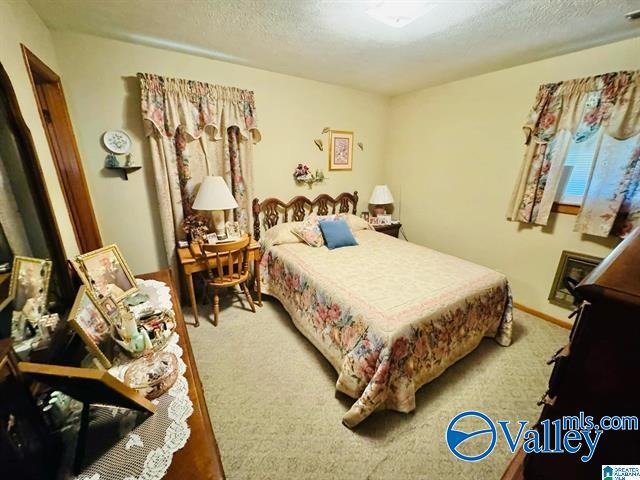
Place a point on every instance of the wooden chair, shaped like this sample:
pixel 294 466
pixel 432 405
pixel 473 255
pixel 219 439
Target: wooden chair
pixel 227 267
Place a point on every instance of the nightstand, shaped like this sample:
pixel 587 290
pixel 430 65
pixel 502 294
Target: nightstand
pixel 393 229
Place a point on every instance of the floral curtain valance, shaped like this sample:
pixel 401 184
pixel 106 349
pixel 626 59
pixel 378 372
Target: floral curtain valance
pixel 574 111
pixel 582 106
pixel 169 103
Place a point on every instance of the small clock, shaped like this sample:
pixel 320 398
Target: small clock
pixel 116 141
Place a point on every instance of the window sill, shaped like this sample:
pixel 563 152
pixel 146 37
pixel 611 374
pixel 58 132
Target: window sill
pixel 566 208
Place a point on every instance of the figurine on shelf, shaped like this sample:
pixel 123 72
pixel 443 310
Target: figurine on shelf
pixel 111 161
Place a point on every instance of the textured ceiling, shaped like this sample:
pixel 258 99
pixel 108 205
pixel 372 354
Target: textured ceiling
pixel 336 41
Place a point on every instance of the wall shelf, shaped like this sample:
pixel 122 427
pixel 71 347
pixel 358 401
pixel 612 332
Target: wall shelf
pixel 126 170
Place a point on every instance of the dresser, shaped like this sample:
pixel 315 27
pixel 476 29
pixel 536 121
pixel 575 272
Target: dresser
pixel 598 371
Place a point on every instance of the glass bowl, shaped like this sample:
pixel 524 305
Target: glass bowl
pixel 152 375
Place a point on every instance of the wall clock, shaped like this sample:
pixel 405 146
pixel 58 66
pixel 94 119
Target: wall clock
pixel 116 141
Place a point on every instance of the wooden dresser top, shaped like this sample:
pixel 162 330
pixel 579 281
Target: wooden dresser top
pixel 200 457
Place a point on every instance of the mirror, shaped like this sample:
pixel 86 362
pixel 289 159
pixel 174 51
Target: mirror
pixel 29 240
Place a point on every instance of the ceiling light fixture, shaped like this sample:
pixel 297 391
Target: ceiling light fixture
pixel 400 13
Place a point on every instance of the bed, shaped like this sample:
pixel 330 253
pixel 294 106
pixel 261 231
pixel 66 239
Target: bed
pixel 389 315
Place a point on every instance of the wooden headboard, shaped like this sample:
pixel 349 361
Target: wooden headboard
pixel 271 211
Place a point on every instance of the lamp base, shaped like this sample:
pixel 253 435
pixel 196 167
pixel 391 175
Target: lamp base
pixel 217 220
pixel 379 210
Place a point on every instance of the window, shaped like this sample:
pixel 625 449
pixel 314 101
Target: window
pixel 577 168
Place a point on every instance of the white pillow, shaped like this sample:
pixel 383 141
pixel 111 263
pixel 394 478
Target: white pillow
pixel 281 233
pixel 355 222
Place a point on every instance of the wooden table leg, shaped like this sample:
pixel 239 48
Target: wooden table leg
pixel 256 274
pixel 192 297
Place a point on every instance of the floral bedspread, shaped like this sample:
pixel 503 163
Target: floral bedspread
pixel 389 315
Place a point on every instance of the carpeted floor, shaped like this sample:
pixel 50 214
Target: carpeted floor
pixel 275 414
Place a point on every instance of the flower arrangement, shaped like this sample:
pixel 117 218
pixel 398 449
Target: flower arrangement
pixel 195 226
pixel 302 174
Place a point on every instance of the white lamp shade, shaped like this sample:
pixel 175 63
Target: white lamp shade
pixel 381 195
pixel 214 195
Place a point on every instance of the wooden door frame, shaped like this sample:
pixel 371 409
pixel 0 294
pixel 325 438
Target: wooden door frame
pixel 64 150
pixel 38 187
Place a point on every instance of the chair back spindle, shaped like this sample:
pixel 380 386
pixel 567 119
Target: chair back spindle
pixel 229 258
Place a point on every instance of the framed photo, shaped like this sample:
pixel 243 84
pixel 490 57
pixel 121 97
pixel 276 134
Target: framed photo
pixel 364 216
pixel 374 221
pixel 340 150
pixel 233 230
pixel 90 322
pixel 109 308
pixel 384 219
pixel 105 272
pixel 575 266
pixel 211 238
pixel 29 281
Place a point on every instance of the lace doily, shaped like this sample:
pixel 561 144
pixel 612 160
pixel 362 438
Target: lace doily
pixel 147 443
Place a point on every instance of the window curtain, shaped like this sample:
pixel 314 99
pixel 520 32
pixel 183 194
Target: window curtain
pixel 197 129
pixel 605 105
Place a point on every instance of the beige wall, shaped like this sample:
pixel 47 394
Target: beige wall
pixel 20 24
pixel 103 94
pixel 453 156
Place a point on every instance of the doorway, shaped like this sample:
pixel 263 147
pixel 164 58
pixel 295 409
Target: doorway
pixel 64 150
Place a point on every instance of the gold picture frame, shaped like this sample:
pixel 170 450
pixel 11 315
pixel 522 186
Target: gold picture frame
pixel 340 150
pixel 21 265
pixel 88 318
pixel 574 265
pixel 105 272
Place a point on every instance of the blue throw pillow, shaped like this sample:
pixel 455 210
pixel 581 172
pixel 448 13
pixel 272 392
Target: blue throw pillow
pixel 337 234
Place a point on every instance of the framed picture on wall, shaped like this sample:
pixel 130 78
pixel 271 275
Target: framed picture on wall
pixel 572 268
pixel 340 150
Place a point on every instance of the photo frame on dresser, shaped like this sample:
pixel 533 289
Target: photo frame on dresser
pixel 105 272
pixel 89 320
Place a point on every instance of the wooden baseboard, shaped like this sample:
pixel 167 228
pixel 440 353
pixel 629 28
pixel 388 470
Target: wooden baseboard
pixel 543 316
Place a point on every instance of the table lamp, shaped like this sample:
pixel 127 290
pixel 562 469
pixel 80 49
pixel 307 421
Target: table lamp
pixel 214 195
pixel 380 197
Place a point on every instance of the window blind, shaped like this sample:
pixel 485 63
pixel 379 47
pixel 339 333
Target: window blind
pixel 577 166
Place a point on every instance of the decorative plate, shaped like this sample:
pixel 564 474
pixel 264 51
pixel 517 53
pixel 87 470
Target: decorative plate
pixel 116 141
